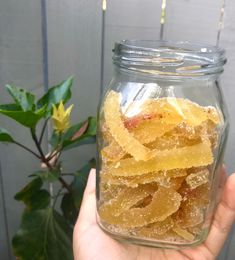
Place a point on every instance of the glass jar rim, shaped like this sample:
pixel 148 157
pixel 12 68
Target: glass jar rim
pixel 178 58
pixel 180 46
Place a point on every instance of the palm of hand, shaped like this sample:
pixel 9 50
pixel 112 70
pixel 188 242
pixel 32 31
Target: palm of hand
pixel 91 243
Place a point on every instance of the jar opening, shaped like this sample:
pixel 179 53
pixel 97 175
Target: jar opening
pixel 171 59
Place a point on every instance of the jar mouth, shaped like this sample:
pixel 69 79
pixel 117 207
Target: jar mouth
pixel 168 58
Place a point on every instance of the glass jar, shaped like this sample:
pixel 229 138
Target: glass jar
pixel 162 129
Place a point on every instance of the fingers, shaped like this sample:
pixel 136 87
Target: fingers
pixel 88 208
pixel 223 177
pixel 91 184
pixel 223 219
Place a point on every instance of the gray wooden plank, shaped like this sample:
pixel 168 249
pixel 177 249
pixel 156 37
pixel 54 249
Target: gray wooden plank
pixel 4 241
pixel 20 64
pixel 190 20
pixel 129 19
pixel 74 48
pixel 227 41
pixel 230 254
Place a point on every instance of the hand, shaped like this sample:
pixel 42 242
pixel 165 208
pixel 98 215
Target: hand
pixel 91 243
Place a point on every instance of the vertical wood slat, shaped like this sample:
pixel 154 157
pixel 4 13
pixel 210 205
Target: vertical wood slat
pixel 20 64
pixel 5 247
pixel 195 21
pixel 227 41
pixel 132 19
pixel 74 48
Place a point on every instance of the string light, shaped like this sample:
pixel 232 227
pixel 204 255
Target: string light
pixel 104 5
pixel 163 13
pixel 221 21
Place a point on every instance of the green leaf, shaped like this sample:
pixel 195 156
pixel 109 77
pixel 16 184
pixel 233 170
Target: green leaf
pixel 75 136
pixel 47 176
pixel 33 196
pixel 43 235
pixel 56 94
pixel 31 187
pixel 71 202
pixel 5 136
pixel 70 211
pixel 26 118
pixel 23 98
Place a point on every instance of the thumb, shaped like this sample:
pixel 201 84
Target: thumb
pixel 87 214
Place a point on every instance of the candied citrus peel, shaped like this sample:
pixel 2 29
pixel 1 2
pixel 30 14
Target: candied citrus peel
pixel 183 233
pixel 156 229
pixel 198 178
pixel 128 198
pixel 155 178
pixel 165 202
pixel 149 130
pixel 172 177
pixel 186 157
pixel 113 152
pixel 179 109
pixel 117 128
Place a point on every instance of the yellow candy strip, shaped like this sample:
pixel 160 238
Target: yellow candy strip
pixel 180 109
pixel 165 202
pixel 183 233
pixel 177 158
pixel 198 178
pixel 156 229
pixel 166 112
pixel 117 129
pixel 149 130
pixel 128 198
pixel 113 152
pixel 195 114
pixel 133 181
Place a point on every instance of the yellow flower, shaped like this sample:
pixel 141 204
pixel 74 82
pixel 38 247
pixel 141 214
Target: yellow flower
pixel 61 117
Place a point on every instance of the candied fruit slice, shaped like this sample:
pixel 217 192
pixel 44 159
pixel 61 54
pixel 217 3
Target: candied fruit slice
pixel 106 136
pixel 117 129
pixel 195 114
pixel 190 214
pixel 175 183
pixel 208 130
pixel 148 131
pixel 201 194
pixel 170 141
pixel 186 157
pixel 183 233
pixel 108 191
pixel 127 198
pixel 162 109
pixel 156 229
pixel 198 178
pixel 134 181
pixel 165 202
pixel 184 109
pixel 113 152
pixel 133 122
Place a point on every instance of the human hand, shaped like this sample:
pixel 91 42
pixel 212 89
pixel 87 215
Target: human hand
pixel 91 243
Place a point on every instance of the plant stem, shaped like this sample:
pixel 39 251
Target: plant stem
pixel 43 131
pixel 45 160
pixel 38 145
pixel 53 154
pixel 27 149
pixel 65 184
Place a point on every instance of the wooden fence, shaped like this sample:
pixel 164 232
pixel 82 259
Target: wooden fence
pixel 44 41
